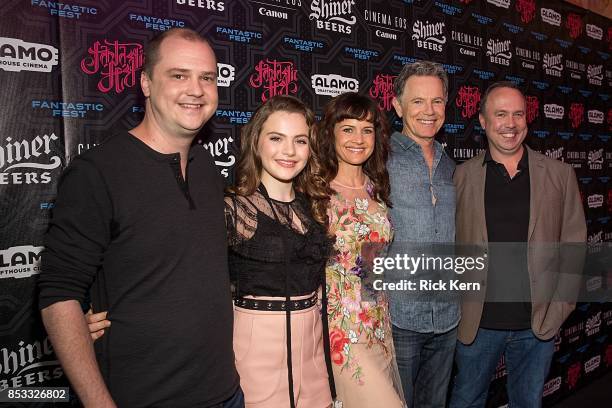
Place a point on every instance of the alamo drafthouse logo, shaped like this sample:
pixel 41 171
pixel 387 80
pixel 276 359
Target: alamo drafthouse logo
pixel 594 31
pixel 595 200
pixel 20 261
pixel 17 155
pixel 17 55
pixel 334 16
pixel 595 116
pixel 499 51
pixel 554 111
pixel 552 386
pixel 28 364
pixel 429 36
pixel 553 64
pixel 333 85
pixel 550 16
pixel 595 74
pixel 225 75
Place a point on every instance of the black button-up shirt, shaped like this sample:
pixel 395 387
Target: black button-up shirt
pixel 507 218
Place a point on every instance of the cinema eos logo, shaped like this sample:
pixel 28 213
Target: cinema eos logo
pixel 594 31
pixel 595 74
pixel 574 25
pixel 469 44
pixel 527 9
pixel 528 57
pixel 275 77
pixel 550 16
pixel 115 62
pixel 595 116
pixel 17 155
pixel 468 99
pixel 20 261
pixel 333 85
pixel 382 91
pixel 225 75
pixel 429 36
pixel 576 114
pixel 17 55
pixel 499 51
pixel 334 16
pixel 553 64
pixel 596 159
pixel 27 363
pixel 576 69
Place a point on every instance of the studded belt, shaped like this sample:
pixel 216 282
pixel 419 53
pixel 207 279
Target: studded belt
pixel 276 305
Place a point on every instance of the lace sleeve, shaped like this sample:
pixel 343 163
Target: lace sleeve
pixel 240 219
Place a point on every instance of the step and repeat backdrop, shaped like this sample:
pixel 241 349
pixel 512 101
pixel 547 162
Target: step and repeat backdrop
pixel 69 75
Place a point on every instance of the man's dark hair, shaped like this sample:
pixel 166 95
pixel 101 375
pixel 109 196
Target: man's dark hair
pixel 494 86
pixel 151 51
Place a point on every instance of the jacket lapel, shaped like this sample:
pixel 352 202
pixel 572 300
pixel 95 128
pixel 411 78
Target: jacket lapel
pixel 537 177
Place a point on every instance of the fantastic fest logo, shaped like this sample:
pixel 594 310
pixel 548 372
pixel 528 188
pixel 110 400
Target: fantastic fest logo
pixel 576 114
pixel 573 375
pixel 382 91
pixel 533 108
pixel 527 9
pixel 468 99
pixel 116 62
pixel 275 77
pixel 574 25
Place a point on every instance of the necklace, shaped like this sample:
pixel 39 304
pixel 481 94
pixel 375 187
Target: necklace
pixel 352 188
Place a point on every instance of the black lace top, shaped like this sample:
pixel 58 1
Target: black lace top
pixel 276 248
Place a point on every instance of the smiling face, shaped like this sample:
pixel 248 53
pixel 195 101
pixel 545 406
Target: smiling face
pixel 505 123
pixel 283 147
pixel 421 107
pixel 182 91
pixel 354 141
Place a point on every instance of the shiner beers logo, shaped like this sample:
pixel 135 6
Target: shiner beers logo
pixel 499 51
pixel 17 55
pixel 553 64
pixel 334 16
pixel 595 74
pixel 527 9
pixel 16 155
pixel 428 35
pixel 28 364
pixel 115 62
pixel 333 85
pixel 275 77
pixel 468 99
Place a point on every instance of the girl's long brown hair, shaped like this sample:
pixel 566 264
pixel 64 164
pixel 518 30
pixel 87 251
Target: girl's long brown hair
pixel 248 168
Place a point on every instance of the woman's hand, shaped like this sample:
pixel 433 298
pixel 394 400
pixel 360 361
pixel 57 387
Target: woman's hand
pixel 96 322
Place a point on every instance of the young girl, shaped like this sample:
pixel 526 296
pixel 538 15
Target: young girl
pixel 277 257
pixel 352 143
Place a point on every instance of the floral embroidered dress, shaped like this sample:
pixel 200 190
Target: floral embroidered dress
pixel 361 345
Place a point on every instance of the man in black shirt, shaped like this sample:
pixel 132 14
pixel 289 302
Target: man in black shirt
pixel 523 203
pixel 139 224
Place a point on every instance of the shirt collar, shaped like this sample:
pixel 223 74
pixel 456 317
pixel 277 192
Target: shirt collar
pixel 523 164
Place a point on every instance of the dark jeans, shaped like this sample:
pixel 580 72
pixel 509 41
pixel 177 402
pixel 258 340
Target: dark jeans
pixel 527 362
pixel 425 361
pixel 236 401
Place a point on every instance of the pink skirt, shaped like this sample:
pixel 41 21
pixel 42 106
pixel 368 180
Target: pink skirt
pixel 260 349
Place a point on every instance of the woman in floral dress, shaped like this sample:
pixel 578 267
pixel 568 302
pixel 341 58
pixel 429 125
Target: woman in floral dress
pixel 352 141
